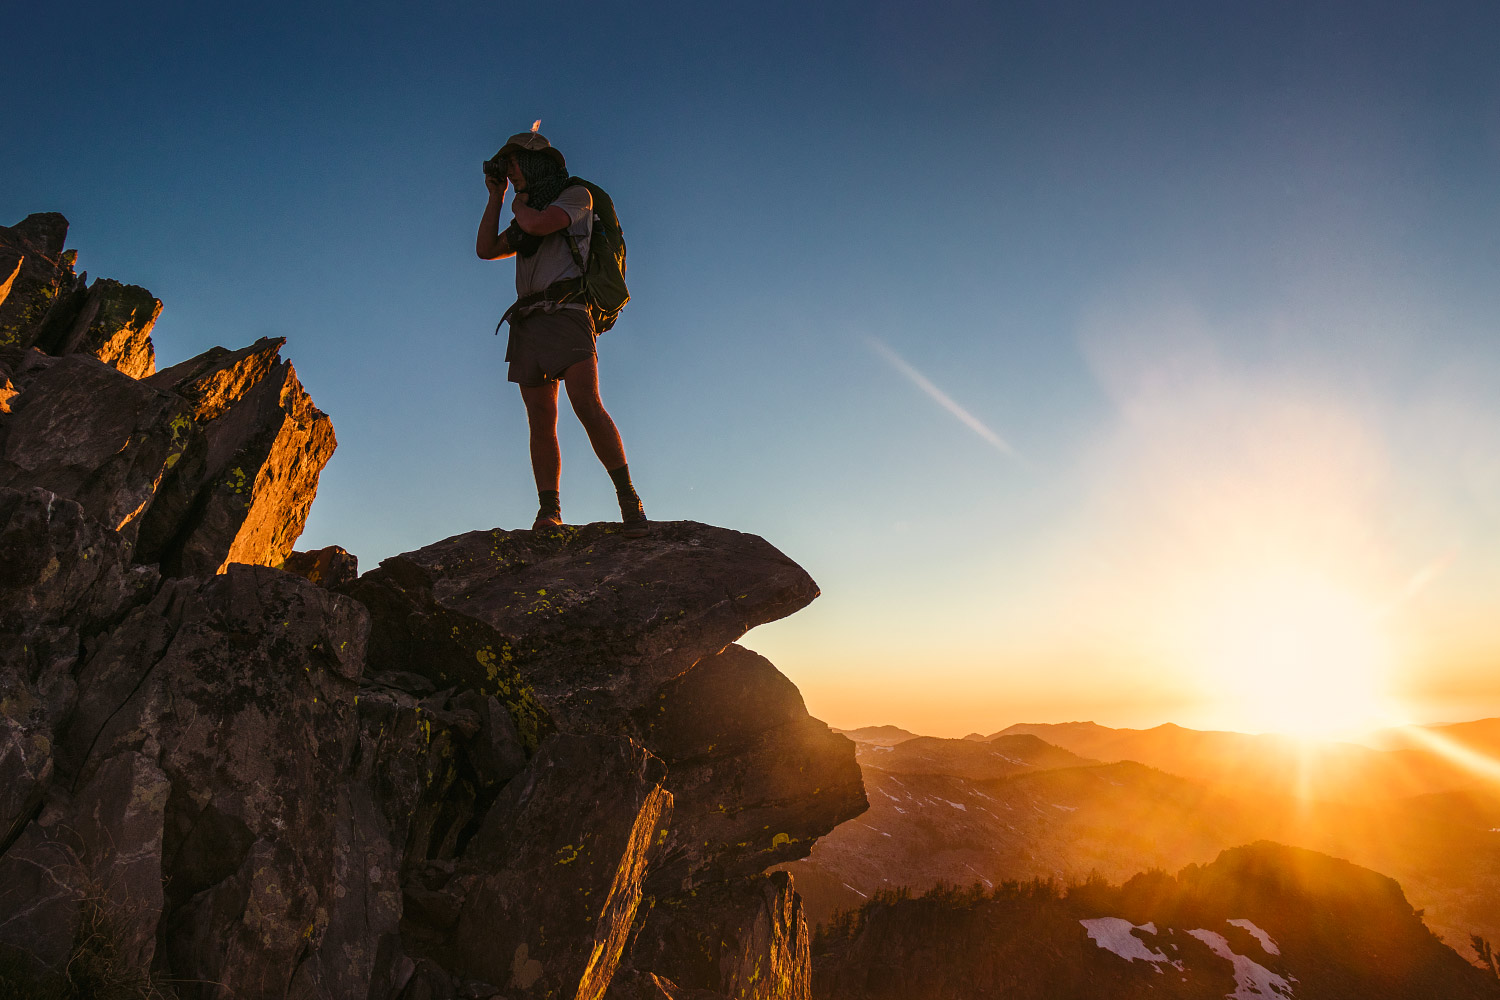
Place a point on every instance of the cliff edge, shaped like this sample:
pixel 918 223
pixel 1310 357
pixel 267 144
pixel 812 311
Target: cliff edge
pixel 508 764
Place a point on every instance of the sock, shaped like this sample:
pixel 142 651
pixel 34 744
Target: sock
pixel 551 501
pixel 621 477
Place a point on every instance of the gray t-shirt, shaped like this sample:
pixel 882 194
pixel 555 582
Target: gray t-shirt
pixel 554 261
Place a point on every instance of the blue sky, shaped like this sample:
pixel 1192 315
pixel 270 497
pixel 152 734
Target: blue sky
pixel 1223 278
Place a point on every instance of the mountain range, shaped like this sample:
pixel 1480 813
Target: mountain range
pixel 1067 801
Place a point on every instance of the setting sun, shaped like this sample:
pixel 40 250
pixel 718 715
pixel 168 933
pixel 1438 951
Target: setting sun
pixel 1293 654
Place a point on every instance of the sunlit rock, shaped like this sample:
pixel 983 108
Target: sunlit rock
pixel 246 498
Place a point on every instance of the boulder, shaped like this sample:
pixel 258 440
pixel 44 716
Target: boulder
pixel 755 778
pixel 247 499
pixel 331 566
pixel 746 939
pixel 542 900
pixel 35 271
pixel 597 622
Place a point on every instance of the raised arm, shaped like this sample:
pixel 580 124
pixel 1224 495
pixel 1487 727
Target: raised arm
pixel 491 243
pixel 539 223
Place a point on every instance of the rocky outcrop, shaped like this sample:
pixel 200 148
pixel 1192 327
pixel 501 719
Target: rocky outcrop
pixel 332 566
pixel 607 622
pixel 211 462
pixel 86 432
pixel 509 764
pixel 45 305
pixel 35 271
pixel 755 777
pixel 245 495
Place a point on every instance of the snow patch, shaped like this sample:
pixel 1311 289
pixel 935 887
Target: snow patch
pixel 1066 809
pixel 851 888
pixel 1252 981
pixel 957 805
pixel 1113 934
pixel 1265 939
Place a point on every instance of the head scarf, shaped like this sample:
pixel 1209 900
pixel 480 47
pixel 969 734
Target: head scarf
pixel 545 180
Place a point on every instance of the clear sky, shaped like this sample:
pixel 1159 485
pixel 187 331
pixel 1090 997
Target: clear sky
pixel 1133 362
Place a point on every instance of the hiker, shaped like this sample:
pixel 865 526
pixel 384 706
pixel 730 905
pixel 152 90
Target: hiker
pixel 552 330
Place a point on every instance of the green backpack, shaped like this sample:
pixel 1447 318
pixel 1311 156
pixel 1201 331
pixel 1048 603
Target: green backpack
pixel 602 285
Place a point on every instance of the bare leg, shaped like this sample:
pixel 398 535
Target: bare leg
pixel 541 418
pixel 582 378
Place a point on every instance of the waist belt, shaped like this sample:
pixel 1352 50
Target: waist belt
pixel 567 290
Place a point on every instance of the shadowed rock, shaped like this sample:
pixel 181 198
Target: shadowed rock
pixel 411 634
pixel 755 778
pixel 580 821
pixel 89 433
pixel 90 863
pixel 35 271
pixel 746 939
pixel 331 566
pixel 632 984
pixel 62 577
pixel 242 689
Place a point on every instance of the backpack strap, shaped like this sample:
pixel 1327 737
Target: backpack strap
pixel 583 268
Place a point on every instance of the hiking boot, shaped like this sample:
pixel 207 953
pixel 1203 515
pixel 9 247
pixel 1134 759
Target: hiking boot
pixel 633 517
pixel 549 514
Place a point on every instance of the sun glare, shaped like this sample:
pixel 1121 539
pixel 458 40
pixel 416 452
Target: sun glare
pixel 1294 655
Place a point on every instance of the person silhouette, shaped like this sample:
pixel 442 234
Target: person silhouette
pixel 551 341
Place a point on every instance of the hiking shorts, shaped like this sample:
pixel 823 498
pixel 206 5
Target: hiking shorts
pixel 542 345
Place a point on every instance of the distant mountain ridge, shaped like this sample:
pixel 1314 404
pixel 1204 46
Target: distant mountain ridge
pixel 1282 765
pixel 889 735
pixel 957 811
pixel 1260 921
